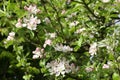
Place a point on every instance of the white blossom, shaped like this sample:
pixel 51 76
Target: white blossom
pixel 11 36
pixel 73 24
pixel 73 68
pixel 80 30
pixel 63 12
pixel 46 20
pixel 19 23
pixel 47 42
pixel 31 22
pixel 93 49
pixel 60 67
pixel 38 53
pixel 56 67
pixel 32 9
pixel 105 1
pixel 89 69
pixel 62 48
pixel 106 66
pixel 51 35
pixel 74 14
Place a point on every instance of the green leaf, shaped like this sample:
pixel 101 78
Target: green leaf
pixel 8 43
pixel 32 34
pixel 43 70
pixel 27 77
pixel 111 56
pixel 70 79
pixel 76 48
pixel 73 58
pixel 33 70
pixel 118 59
pixel 2 13
pixel 116 76
pixel 42 63
pixel 78 43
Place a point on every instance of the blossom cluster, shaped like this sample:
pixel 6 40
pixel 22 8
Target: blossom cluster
pixel 32 9
pixel 93 49
pixel 92 68
pixel 63 48
pixel 74 23
pixel 47 42
pixel 79 30
pixel 30 21
pixel 49 38
pixel 89 69
pixel 60 67
pixel 10 37
pixel 38 53
pixel 46 20
pixel 51 35
pixel 106 66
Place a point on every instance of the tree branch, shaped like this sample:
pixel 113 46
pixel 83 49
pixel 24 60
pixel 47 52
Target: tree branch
pixel 58 17
pixel 86 6
pixel 42 1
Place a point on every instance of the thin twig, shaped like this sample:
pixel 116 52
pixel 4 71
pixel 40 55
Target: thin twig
pixel 58 17
pixel 86 6
pixel 32 42
pixel 44 6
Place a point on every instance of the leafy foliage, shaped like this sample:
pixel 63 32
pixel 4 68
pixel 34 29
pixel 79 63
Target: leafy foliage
pixel 59 39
